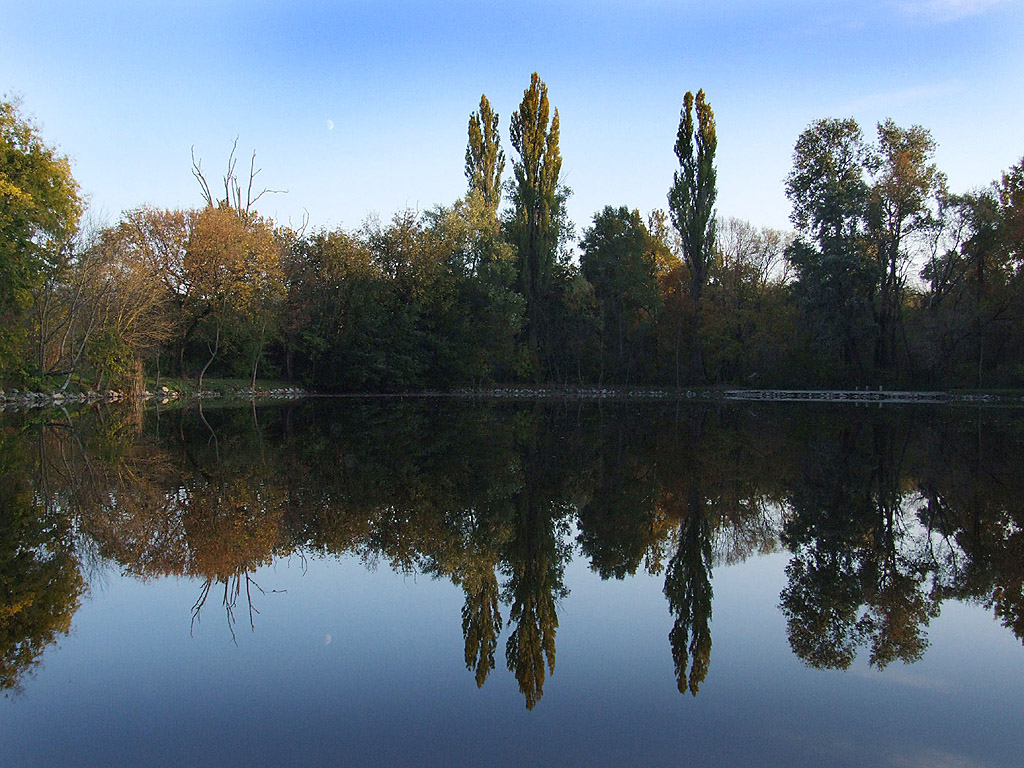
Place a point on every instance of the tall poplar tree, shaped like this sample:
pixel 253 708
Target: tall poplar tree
pixel 485 161
pixel 537 199
pixel 691 202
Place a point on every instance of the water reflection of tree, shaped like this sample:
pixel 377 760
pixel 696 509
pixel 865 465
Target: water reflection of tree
pixel 534 561
pixel 718 481
pixel 481 620
pixel 973 503
pixel 182 506
pixel 40 582
pixel 620 524
pixel 852 581
pixel 882 524
pixel 689 593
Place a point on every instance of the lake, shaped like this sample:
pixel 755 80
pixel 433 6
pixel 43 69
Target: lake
pixel 389 581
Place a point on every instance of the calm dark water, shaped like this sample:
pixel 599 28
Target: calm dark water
pixel 434 582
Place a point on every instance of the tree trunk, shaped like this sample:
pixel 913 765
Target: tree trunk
pixel 256 357
pixel 213 354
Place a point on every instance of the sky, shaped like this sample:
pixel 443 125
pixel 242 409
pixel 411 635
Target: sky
pixel 360 108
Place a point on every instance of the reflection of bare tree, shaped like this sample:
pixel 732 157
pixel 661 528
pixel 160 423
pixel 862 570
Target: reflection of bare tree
pixel 232 591
pixel 233 524
pixel 158 511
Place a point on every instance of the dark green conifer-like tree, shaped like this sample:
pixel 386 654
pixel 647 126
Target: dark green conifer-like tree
pixel 538 200
pixel 691 202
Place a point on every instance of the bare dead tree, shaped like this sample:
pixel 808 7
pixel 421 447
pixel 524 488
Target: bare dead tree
pixel 232 186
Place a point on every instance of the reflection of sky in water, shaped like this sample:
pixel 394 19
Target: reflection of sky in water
pixel 349 666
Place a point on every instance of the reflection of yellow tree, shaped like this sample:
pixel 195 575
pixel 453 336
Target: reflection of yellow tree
pixel 40 584
pixel 532 590
pixel 120 486
pixel 481 620
pixel 159 515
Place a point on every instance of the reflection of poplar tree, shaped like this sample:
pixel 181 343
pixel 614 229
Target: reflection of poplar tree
pixel 535 559
pixel 532 589
pixel 688 589
pixel 481 621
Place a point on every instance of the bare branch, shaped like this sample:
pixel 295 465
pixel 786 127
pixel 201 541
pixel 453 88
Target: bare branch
pixel 230 180
pixel 197 171
pixel 253 170
pixel 253 173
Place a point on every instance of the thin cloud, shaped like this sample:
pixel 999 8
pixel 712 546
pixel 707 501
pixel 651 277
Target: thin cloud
pixel 933 758
pixel 950 10
pixel 896 99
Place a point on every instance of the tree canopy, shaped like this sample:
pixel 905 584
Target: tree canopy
pixel 38 219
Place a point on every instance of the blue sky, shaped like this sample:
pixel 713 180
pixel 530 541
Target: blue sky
pixel 127 88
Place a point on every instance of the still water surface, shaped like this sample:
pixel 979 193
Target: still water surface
pixel 348 582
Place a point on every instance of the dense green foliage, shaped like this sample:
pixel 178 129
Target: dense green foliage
pixel 888 280
pixel 39 210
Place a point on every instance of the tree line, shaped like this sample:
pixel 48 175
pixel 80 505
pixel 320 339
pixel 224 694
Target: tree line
pixel 887 278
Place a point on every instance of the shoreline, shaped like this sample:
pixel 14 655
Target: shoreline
pixel 18 400
pixel 15 399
